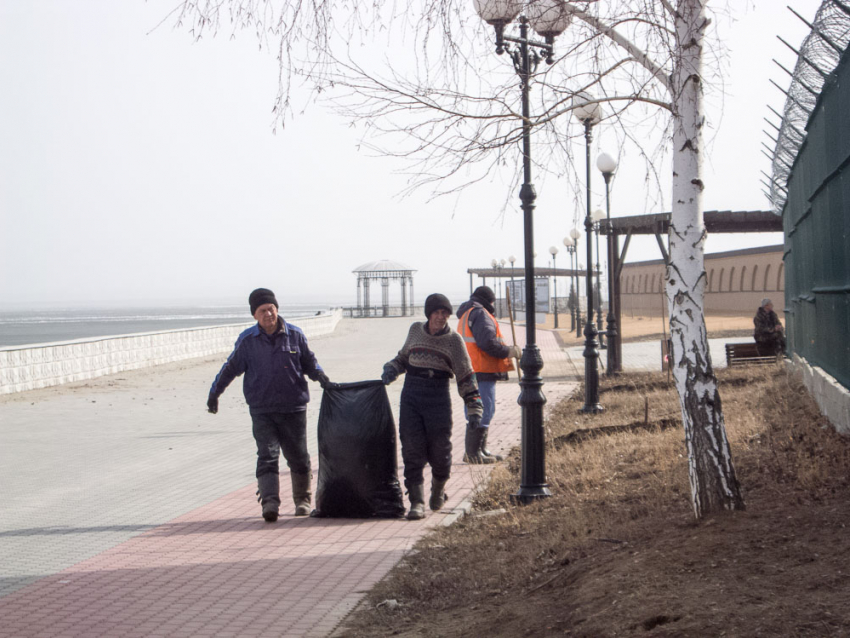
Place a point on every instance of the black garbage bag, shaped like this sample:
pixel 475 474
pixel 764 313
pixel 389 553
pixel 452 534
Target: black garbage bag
pixel 358 463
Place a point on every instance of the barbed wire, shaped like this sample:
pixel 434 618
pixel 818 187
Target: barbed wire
pixel 817 58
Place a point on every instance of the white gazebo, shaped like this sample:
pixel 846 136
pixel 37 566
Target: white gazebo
pixel 385 271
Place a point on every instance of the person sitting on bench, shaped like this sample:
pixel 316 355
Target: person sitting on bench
pixel 768 333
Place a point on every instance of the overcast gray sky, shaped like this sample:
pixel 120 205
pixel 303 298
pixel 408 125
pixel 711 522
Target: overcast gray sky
pixel 137 166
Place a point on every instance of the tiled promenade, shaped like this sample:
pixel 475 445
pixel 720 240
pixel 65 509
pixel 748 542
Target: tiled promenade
pixel 127 510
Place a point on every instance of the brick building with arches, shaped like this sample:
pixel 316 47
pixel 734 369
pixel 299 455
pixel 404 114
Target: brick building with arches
pixel 737 281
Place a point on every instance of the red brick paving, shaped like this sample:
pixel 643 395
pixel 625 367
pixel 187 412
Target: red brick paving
pixel 220 570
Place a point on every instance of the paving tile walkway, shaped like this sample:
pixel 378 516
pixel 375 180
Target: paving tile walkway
pixel 127 511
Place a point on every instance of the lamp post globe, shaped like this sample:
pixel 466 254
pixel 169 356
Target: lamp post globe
pixel 607 165
pixel 498 12
pixel 586 109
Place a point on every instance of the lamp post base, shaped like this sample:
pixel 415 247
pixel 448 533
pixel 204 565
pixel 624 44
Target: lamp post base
pixel 592 409
pixel 531 400
pixel 527 495
pixel 591 371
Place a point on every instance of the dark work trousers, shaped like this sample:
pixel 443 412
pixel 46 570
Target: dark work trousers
pixel 278 431
pixel 771 346
pixel 425 428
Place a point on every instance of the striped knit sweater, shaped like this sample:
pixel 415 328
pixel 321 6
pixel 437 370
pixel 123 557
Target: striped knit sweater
pixel 445 352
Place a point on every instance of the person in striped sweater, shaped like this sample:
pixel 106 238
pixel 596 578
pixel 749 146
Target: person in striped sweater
pixel 431 355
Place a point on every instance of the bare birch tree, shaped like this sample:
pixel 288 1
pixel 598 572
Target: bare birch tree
pixel 450 107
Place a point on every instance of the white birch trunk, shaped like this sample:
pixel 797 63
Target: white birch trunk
pixel 712 476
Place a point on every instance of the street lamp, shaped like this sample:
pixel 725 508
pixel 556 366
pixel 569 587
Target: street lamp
pixel 570 244
pixel 589 113
pixel 576 235
pixel 498 277
pixel 553 250
pixel 501 267
pixel 598 215
pixel 548 18
pixel 607 165
pixel 512 259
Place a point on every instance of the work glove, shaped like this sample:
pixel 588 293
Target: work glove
pixel 323 380
pixel 212 404
pixel 516 352
pixel 389 375
pixel 473 421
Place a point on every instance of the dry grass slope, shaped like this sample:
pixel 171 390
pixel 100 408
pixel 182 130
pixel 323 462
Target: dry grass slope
pixel 616 551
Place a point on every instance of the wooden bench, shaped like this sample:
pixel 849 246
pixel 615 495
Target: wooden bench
pixel 741 354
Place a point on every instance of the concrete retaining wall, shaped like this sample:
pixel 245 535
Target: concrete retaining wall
pixel 832 398
pixel 39 366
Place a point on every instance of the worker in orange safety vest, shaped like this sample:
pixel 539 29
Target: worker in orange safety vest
pixel 491 360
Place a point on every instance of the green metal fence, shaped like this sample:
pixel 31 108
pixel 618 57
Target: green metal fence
pixel 816 218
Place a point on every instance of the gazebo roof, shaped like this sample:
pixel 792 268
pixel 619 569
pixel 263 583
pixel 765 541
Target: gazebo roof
pixel 383 265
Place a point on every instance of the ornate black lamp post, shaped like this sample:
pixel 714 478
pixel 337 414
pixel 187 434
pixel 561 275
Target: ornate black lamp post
pixel 549 20
pixel 589 113
pixel 575 234
pixel 570 245
pixel 512 259
pixel 501 267
pixel 598 215
pixel 498 268
pixel 553 250
pixel 607 165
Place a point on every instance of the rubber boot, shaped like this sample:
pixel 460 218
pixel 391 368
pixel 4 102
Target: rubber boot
pixel 438 494
pixel 268 490
pixel 301 493
pixel 485 451
pixel 472 443
pixel 416 493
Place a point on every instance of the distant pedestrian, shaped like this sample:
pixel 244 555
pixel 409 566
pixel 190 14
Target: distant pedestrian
pixel 274 357
pixel 768 333
pixel 491 360
pixel 430 357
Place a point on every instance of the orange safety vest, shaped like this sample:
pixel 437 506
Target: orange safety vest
pixel 481 361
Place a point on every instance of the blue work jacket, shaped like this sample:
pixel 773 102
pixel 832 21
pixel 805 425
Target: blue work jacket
pixel 274 367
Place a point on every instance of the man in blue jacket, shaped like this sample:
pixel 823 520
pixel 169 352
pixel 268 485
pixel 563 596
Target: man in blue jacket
pixel 274 357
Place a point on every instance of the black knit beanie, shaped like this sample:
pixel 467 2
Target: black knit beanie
pixel 260 297
pixel 484 292
pixel 486 297
pixel 436 301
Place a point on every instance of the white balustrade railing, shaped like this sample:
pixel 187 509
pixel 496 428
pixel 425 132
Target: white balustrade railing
pixel 41 365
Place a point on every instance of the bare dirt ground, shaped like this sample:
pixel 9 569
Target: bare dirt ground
pixel 616 550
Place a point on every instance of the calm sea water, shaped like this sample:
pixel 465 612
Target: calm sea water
pixel 21 327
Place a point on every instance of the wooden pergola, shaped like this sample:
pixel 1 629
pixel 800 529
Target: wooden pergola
pixel 658 224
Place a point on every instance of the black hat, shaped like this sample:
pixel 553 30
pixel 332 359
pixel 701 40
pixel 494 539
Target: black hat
pixel 437 301
pixel 260 297
pixel 484 292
